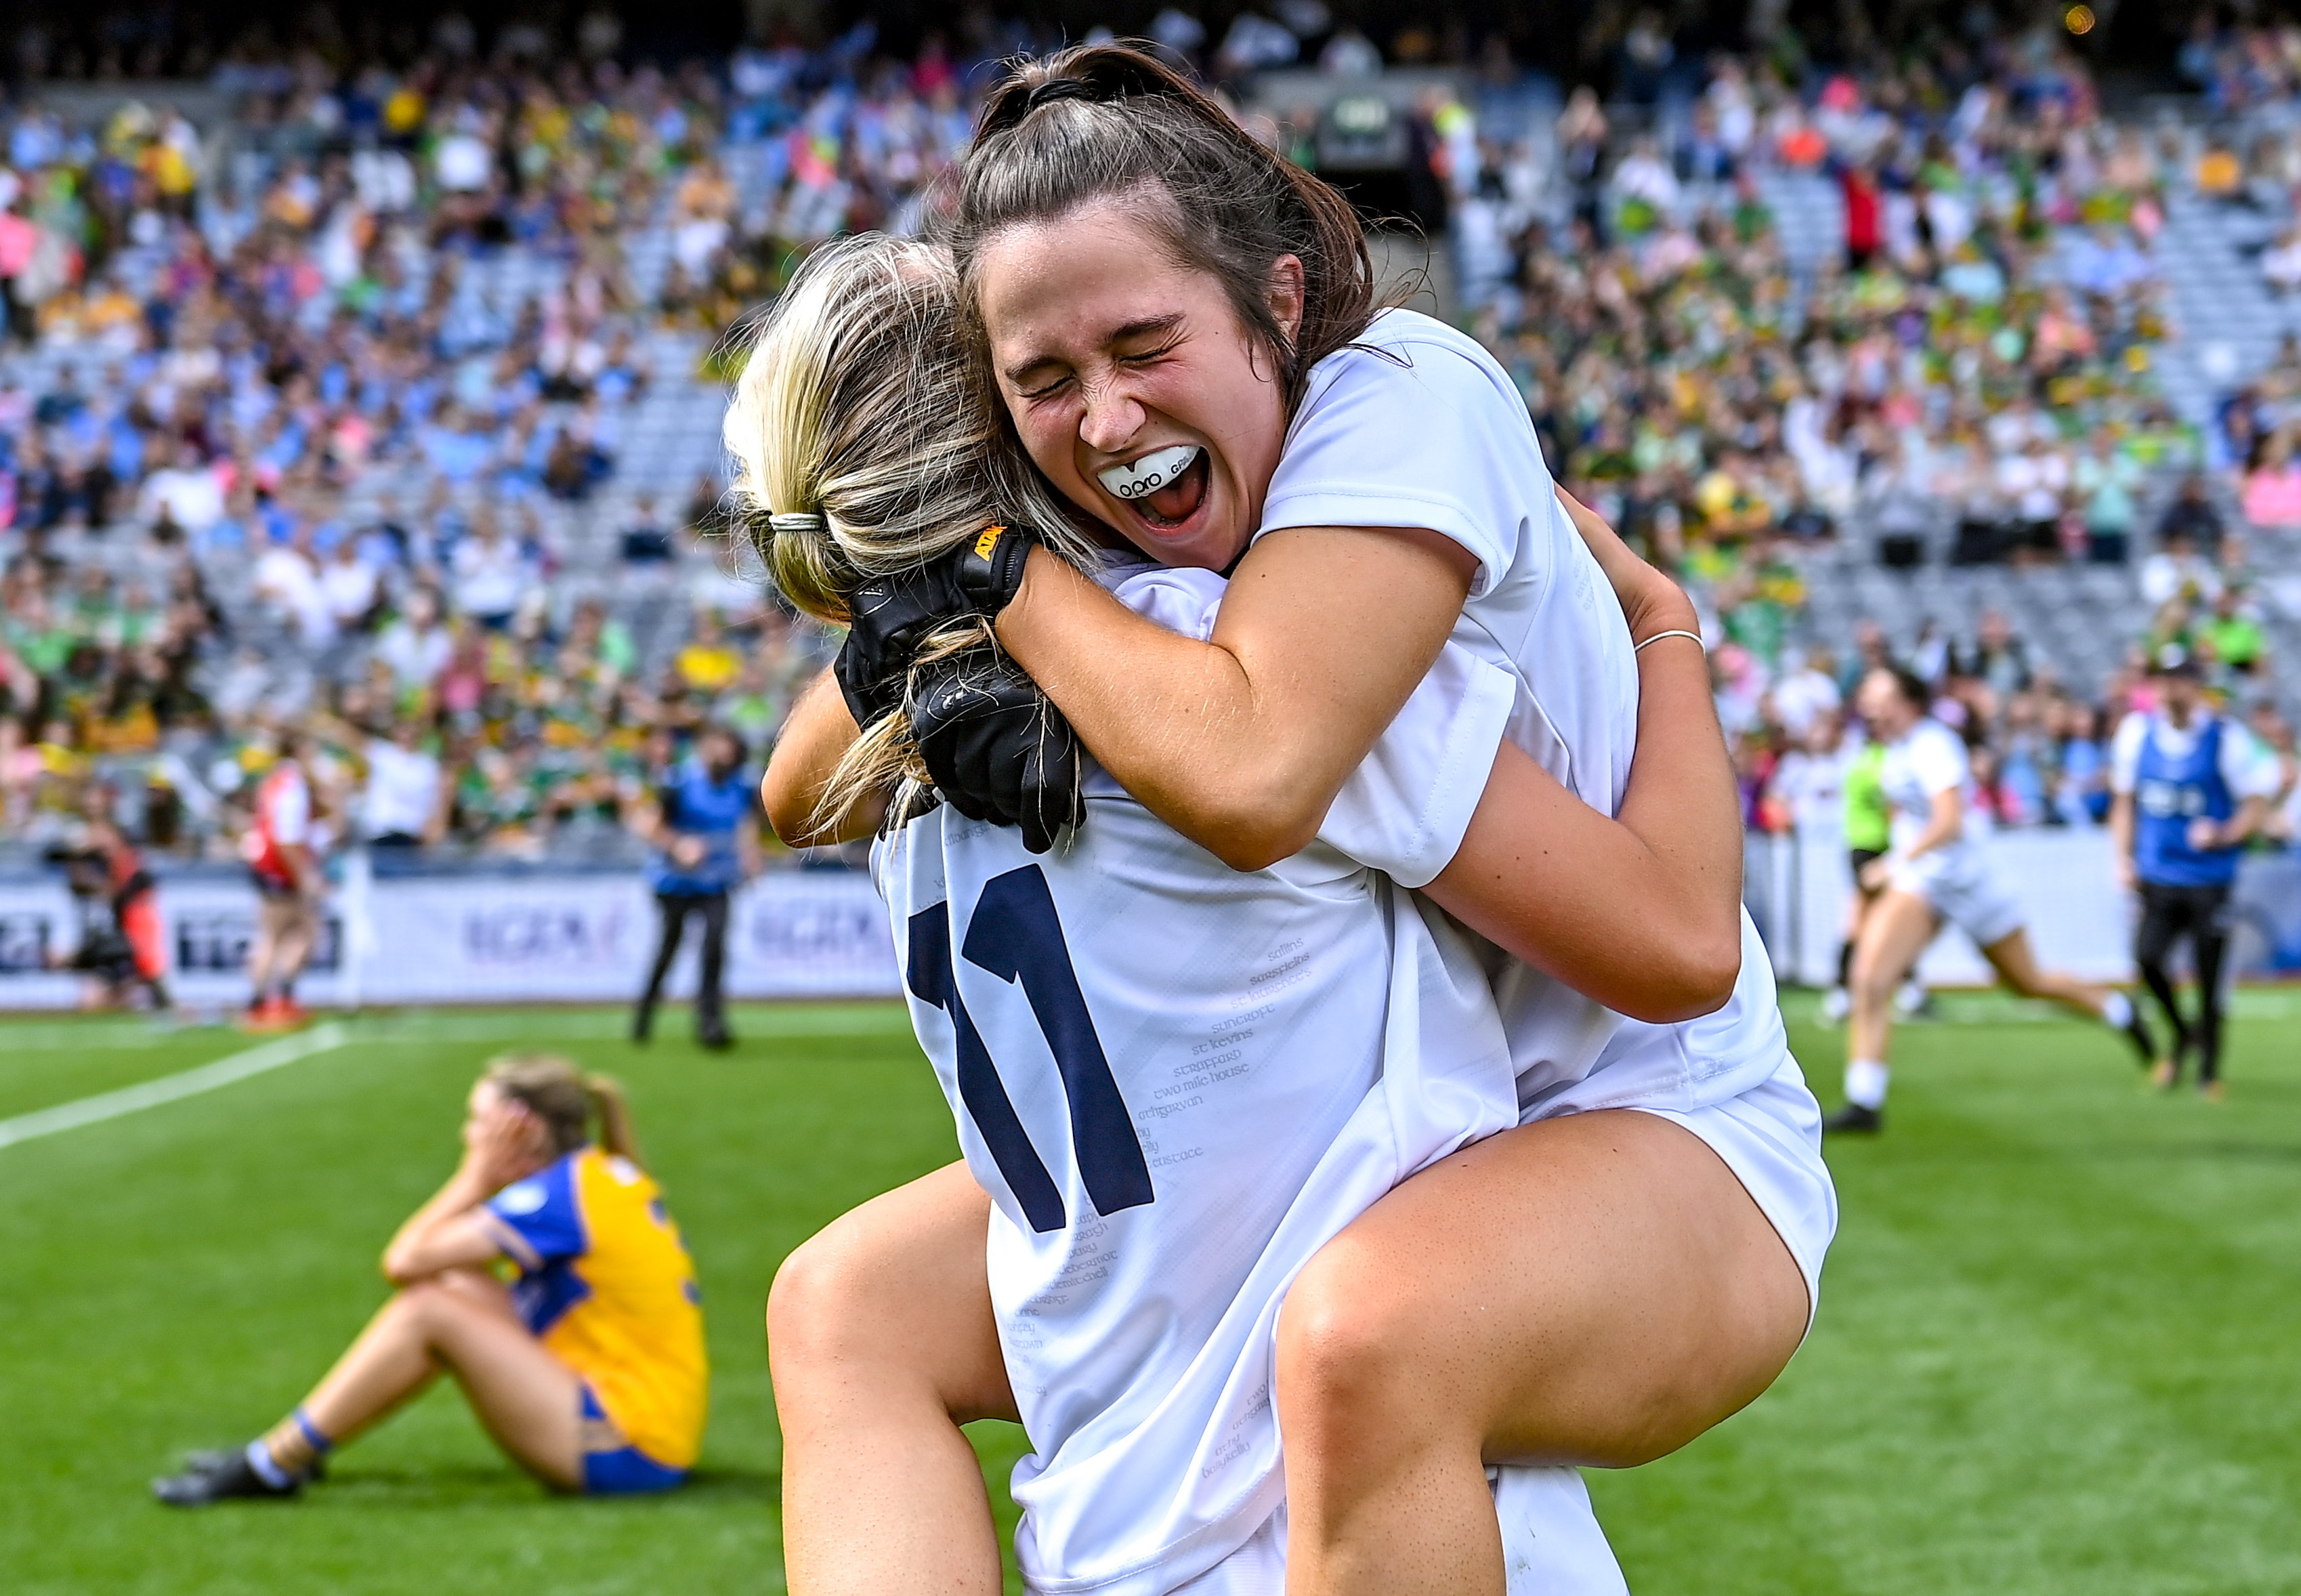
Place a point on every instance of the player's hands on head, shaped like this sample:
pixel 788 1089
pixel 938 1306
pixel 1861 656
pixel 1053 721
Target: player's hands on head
pixel 890 616
pixel 997 750
pixel 503 1143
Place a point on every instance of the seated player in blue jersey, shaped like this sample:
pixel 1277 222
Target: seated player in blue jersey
pixel 1245 1059
pixel 546 1278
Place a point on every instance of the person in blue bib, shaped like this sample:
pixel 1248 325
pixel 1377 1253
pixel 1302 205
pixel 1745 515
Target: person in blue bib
pixel 704 825
pixel 2190 786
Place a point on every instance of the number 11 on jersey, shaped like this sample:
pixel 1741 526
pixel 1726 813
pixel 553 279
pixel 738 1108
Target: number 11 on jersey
pixel 1016 935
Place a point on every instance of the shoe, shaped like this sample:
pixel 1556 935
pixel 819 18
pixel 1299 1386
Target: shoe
pixel 1914 1002
pixel 1854 1119
pixel 226 1475
pixel 643 1023
pixel 714 1035
pixel 1835 1004
pixel 2213 1091
pixel 209 1459
pixel 261 1015
pixel 2165 1074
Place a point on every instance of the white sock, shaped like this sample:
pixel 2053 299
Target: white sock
pixel 2118 1010
pixel 259 1458
pixel 1865 1083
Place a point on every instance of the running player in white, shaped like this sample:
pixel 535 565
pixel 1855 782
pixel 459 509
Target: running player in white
pixel 1185 341
pixel 1937 872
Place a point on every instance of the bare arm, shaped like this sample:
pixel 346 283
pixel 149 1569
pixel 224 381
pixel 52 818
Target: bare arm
pixel 2120 836
pixel 1945 825
pixel 452 1231
pixel 1642 912
pixel 1241 743
pixel 816 736
pixel 2232 832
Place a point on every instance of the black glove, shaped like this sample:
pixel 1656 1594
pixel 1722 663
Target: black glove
pixel 887 616
pixel 998 750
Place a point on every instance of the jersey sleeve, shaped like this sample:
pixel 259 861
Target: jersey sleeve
pixel 1405 809
pixel 1183 599
pixel 538 1219
pixel 1408 437
pixel 2249 768
pixel 2125 753
pixel 1938 761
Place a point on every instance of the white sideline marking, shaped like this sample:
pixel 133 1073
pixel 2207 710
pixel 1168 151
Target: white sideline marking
pixel 168 1088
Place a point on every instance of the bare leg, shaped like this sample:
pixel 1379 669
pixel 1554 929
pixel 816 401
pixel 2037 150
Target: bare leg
pixel 461 1323
pixel 881 1341
pixel 1894 934
pixel 299 929
pixel 2017 967
pixel 1597 1288
pixel 263 951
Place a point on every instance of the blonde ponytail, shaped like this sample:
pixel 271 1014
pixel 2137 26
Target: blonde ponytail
pixel 567 1102
pixel 867 442
pixel 615 1136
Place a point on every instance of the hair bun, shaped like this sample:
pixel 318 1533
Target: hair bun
pixel 1060 89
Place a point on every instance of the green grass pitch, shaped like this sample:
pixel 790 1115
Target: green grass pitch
pixel 2056 1351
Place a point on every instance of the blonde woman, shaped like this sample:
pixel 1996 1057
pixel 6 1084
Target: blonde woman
pixel 588 1369
pixel 1174 1081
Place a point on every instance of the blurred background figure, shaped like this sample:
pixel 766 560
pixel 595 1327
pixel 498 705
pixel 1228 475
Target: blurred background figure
pixel 589 1370
pixel 282 845
pixel 703 823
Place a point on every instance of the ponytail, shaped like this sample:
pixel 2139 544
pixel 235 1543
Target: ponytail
pixel 567 1102
pixel 606 1094
pixel 866 443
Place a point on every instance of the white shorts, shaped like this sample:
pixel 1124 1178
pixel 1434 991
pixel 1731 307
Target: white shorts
pixel 1963 889
pixel 1770 1138
pixel 1551 1544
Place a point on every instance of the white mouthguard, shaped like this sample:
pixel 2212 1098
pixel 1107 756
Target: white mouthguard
pixel 1151 472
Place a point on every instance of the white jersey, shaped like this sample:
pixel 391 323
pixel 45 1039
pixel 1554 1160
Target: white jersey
pixel 1924 762
pixel 1415 425
pixel 1176 1081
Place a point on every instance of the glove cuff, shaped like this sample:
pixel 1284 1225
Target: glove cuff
pixel 991 568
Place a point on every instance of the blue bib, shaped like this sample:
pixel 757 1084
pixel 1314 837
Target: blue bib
pixel 695 806
pixel 2168 795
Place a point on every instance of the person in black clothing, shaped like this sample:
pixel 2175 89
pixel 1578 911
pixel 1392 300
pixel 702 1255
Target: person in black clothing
pixel 704 823
pixel 2191 514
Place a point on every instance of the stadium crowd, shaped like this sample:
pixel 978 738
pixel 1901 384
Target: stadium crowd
pixel 1981 348
pixel 268 457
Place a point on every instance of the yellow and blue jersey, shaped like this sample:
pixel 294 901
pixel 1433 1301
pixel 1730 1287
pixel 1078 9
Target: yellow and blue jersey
pixel 605 1284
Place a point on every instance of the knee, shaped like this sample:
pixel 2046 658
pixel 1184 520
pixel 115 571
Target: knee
pixel 1352 1359
pixel 1870 981
pixel 825 1307
pixel 423 1306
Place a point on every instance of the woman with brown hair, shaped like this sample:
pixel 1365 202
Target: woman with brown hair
pixel 588 1369
pixel 1184 335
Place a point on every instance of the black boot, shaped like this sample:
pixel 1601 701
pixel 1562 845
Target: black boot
pixel 1856 1118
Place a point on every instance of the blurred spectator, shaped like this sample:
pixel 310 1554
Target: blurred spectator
pixel 2192 516
pixel 404 803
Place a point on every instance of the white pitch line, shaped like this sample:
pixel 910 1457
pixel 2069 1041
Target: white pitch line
pixel 169 1089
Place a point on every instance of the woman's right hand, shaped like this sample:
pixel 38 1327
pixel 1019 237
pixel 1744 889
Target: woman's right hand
pixel 1650 602
pixel 496 1144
